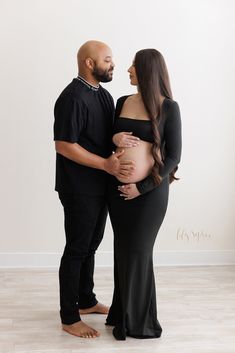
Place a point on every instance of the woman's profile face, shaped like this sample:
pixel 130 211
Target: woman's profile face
pixel 133 76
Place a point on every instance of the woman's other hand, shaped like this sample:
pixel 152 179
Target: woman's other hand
pixel 129 191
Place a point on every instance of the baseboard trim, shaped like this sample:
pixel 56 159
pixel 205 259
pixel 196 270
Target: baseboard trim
pixel 105 258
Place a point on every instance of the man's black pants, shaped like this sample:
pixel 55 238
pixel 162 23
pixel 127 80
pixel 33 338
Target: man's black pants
pixel 84 222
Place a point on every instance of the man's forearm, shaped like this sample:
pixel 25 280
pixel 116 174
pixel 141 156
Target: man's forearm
pixel 80 155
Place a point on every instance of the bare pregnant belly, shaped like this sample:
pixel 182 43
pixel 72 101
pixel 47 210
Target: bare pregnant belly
pixel 143 158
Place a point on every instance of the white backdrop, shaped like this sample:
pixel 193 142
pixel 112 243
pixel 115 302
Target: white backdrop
pixel 39 41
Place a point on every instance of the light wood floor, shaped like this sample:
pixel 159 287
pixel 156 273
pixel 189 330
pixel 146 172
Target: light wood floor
pixel 196 308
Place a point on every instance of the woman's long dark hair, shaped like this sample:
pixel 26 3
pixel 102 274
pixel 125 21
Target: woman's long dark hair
pixel 153 82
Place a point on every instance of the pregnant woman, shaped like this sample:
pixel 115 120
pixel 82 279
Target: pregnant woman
pixel 148 128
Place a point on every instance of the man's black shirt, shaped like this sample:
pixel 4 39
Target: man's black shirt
pixel 83 115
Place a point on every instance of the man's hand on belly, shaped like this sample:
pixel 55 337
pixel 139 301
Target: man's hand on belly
pixel 129 191
pixel 119 168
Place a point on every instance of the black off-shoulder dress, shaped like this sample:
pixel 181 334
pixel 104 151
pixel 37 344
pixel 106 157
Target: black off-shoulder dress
pixel 135 226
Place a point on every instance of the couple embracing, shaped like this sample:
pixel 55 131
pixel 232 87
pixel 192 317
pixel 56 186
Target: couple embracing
pixel 119 160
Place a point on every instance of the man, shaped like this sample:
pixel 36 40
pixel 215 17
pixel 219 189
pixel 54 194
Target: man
pixel 83 140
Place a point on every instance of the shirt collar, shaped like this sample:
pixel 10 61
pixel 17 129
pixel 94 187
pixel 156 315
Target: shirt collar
pixel 92 87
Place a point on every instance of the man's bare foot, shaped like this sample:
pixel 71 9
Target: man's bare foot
pixel 97 309
pixel 80 329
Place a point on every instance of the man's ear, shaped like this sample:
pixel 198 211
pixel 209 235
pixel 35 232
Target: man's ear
pixel 89 63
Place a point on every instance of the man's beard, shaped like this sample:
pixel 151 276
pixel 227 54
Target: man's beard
pixel 102 75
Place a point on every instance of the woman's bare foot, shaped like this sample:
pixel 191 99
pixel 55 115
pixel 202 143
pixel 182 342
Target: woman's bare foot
pixel 97 309
pixel 80 329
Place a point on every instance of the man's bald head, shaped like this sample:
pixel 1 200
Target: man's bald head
pixel 95 59
pixel 92 49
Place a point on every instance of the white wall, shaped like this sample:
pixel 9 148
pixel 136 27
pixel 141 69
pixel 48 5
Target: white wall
pixel 39 41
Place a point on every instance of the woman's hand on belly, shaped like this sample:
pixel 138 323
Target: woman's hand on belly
pixel 125 139
pixel 129 191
